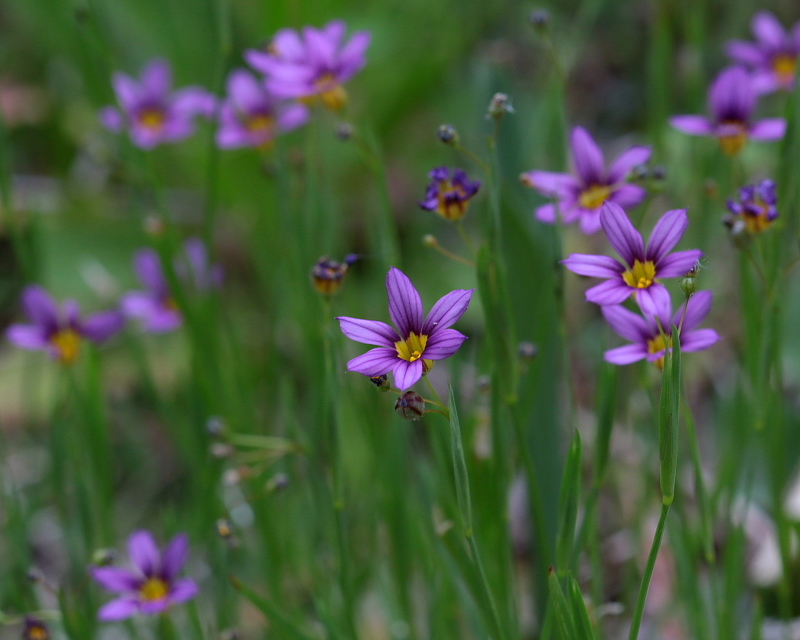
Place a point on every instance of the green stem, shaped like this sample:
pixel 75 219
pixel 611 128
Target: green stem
pixel 638 612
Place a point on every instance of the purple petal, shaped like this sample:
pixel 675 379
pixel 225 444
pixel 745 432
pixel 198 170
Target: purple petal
pixel 182 591
pixel 768 30
pixel 587 264
pixel 374 362
pixel 768 129
pixel 288 45
pixel 666 234
pixel 28 336
pixel 447 310
pixel 699 339
pixel 119 609
pixel 126 89
pixel 116 579
pixel 320 49
pixel 111 118
pixel 628 196
pixel 590 221
pixel 40 306
pixel 406 374
pixel 162 320
pixel 293 116
pixel 621 233
pixel 554 185
pixel 693 125
pixel 587 157
pixel 148 267
pixel 731 97
pixel 174 557
pixel 405 305
pixel 144 553
pixel 443 344
pixel 677 264
pixel 626 323
pixel 368 331
pixel 157 79
pixel 101 326
pixel 194 100
pixel 654 301
pixel 626 355
pixel 627 161
pixel 244 90
pixel 696 311
pixel 745 52
pixel 547 213
pixel 151 607
pixel 767 81
pixel 259 60
pixel 351 58
pixel 609 292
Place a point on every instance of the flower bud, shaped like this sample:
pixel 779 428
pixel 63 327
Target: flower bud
pixel 222 450
pixel 328 275
pixel 381 382
pixel 215 426
pixel 447 133
pixel 278 482
pixel 540 19
pixel 104 557
pixel 527 350
pixel 430 241
pixel 499 105
pixel 344 131
pixel 410 405
pixel 35 629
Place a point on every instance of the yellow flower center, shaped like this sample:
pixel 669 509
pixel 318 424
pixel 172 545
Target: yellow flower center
pixel 68 345
pixel 641 275
pixel 595 196
pixel 332 93
pixel 756 223
pixel 784 67
pixel 152 118
pixel 36 631
pixel 732 144
pixel 452 209
pixel 260 123
pixel 411 348
pixel 659 344
pixel 154 589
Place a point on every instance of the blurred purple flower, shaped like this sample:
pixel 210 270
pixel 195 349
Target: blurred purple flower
pixel 580 196
pixel 772 57
pixel 641 265
pixel 731 100
pixel 756 207
pixel 156 306
pixel 152 585
pixel 251 117
pixel 646 336
pixel 60 334
pixel 449 193
pixel 315 64
pixel 152 113
pixel 410 351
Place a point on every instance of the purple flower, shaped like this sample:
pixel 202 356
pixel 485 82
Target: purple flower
pixel 410 351
pixel 449 193
pixel 641 265
pixel 312 65
pixel 151 112
pixel 152 586
pixel 731 101
pixel 60 333
pixel 773 57
pixel 251 117
pixel 646 336
pixel 580 196
pixel 756 208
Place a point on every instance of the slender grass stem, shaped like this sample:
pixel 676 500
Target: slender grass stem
pixel 641 599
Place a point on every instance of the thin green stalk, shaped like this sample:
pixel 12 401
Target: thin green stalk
pixel 641 599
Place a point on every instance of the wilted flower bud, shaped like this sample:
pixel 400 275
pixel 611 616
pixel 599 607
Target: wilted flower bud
pixel 659 173
pixel 540 19
pixel 737 231
pixel 344 131
pixel 224 529
pixel 410 405
pixel 756 207
pixel 328 275
pixel 381 382
pixel 447 133
pixel 499 105
pixel 527 350
pixel 278 482
pixel 35 629
pixel 104 557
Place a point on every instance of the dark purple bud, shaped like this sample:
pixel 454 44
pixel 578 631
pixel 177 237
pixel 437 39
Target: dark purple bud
pixel 410 405
pixel 447 133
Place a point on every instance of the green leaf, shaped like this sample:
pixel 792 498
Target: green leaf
pixel 568 503
pixel 280 620
pixel 669 418
pixel 460 468
pixel 562 612
pixel 579 613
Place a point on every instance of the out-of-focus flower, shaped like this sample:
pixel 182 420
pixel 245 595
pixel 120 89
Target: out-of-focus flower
pixel 60 333
pixel 731 102
pixel 251 117
pixel 152 585
pixel 35 629
pixel 580 196
pixel 447 134
pixel 312 65
pixel 449 193
pixel 328 275
pixel 151 111
pixel 772 57
pixel 410 351
pixel 646 336
pixel 499 106
pixel 641 265
pixel 756 207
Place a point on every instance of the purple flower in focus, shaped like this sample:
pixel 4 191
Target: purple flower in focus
pixel 772 57
pixel 641 265
pixel 151 111
pixel 60 333
pixel 756 208
pixel 251 117
pixel 410 351
pixel 580 196
pixel 646 336
pixel 152 585
pixel 314 64
pixel 731 100
pixel 449 193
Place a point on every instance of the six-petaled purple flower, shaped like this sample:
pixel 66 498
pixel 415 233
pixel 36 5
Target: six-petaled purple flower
pixel 772 57
pixel 731 101
pixel 60 333
pixel 410 351
pixel 152 585
pixel 756 209
pixel 151 111
pixel 637 274
pixel 251 117
pixel 311 65
pixel 580 196
pixel 449 193
pixel 650 340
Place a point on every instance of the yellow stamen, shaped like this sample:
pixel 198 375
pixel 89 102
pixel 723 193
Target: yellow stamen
pixel 451 209
pixel 756 223
pixel 330 91
pixel 641 275
pixel 154 589
pixel 733 143
pixel 260 123
pixel 411 348
pixel 594 196
pixel 784 67
pixel 658 344
pixel 152 118
pixel 68 345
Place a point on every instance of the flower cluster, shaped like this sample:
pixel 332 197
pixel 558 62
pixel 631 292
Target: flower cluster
pixel 449 193
pixel 755 210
